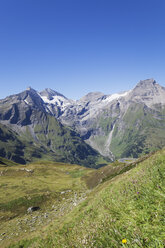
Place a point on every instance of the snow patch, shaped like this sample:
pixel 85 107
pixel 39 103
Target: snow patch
pixel 57 100
pixel 117 96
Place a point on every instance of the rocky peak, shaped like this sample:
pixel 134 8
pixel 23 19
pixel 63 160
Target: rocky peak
pixel 49 93
pixel 92 96
pixel 147 87
pixel 30 92
pixel 149 92
pixel 146 83
pixel 30 89
pixel 30 96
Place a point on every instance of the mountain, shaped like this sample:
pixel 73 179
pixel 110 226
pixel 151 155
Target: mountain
pixel 28 131
pixel 54 102
pixel 127 124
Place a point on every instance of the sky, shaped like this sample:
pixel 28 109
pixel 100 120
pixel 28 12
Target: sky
pixel 80 46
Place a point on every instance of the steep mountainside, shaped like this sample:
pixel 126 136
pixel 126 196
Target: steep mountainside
pixel 28 132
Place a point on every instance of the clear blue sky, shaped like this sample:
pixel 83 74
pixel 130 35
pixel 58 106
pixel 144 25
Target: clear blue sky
pixel 79 46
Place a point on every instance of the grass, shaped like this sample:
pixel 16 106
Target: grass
pixel 143 132
pixel 5 162
pixel 44 184
pixel 49 140
pixel 46 176
pixel 127 204
pixel 130 206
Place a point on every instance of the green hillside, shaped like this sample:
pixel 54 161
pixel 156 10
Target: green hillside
pixel 55 188
pixel 19 150
pixel 66 143
pixel 140 132
pixel 5 162
pixel 126 210
pixel 49 140
pixel 136 131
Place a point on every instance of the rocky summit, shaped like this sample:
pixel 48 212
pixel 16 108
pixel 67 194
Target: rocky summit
pixel 127 124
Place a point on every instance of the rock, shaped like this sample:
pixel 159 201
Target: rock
pixel 45 215
pixel 32 209
pixel 27 170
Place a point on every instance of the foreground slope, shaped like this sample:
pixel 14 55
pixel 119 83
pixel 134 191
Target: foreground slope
pixel 129 207
pixel 54 188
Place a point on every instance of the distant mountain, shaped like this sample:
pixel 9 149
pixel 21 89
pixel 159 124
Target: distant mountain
pixel 126 124
pixel 29 132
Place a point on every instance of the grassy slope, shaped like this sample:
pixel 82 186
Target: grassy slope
pixel 130 206
pixel 66 143
pixel 21 150
pixel 104 121
pixel 37 184
pixel 5 162
pixel 140 132
pixel 53 142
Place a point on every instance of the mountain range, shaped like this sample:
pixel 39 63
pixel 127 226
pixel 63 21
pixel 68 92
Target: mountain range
pixel 90 131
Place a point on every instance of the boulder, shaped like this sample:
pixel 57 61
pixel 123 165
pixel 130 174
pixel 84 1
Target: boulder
pixel 32 209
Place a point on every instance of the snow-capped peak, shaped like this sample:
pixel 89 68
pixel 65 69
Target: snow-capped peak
pixel 49 93
pixel 54 98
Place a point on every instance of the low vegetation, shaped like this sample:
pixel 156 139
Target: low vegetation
pixel 148 136
pixel 5 162
pixel 53 187
pixel 122 208
pixel 50 141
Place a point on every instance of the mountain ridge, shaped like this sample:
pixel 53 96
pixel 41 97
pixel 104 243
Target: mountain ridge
pixel 39 135
pixel 117 125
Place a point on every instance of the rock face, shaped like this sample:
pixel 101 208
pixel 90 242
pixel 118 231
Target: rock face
pixel 127 124
pixel 148 92
pixel 21 109
pixel 117 125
